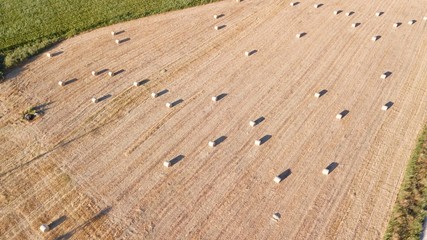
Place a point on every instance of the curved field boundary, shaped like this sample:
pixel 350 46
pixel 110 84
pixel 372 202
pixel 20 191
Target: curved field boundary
pixel 28 27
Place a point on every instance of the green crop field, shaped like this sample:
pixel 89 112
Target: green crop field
pixel 27 26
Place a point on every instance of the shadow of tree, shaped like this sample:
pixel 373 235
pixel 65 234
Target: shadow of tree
pixel 95 218
pixel 42 108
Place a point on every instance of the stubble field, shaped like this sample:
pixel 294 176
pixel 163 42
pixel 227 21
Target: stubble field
pixel 98 168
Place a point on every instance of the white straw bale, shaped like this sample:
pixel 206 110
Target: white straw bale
pixel 276 216
pixel 252 123
pixel 44 228
pixel 325 171
pixel 153 95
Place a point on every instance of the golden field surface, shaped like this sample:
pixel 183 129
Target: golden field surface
pixel 95 170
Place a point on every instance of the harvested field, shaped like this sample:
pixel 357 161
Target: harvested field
pixel 98 168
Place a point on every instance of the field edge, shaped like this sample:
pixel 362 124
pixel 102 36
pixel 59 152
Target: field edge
pixel 410 208
pixel 13 57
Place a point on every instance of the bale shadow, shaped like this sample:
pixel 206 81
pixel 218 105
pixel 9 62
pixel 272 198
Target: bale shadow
pixel 56 53
pixel 320 5
pixel 259 120
pixel 387 74
pixel 163 92
pixel 380 14
pixel 389 104
pixel 220 140
pixel 140 83
pixel 339 11
pixel 221 96
pixel 221 27
pixel 105 97
pixel 252 52
pixel 118 72
pixel 357 24
pixel 296 3
pixel 220 15
pixel 119 32
pixel 176 159
pixel 102 71
pixel 323 92
pixel 331 167
pixel 344 113
pixel 124 40
pixel 265 138
pixel 302 34
pixel 177 102
pixel 70 81
pixel 285 174
pixel 57 222
pixel 398 24
pixel 350 13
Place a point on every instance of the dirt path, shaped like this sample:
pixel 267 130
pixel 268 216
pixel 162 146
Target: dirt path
pixel 101 165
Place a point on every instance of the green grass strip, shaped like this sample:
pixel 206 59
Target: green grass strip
pixel 29 26
pixel 410 208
